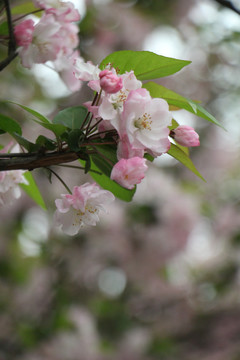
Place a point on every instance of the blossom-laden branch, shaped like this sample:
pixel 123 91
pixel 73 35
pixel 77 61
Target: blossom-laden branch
pixel 113 135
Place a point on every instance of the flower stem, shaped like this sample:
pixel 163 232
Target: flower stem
pixel 60 179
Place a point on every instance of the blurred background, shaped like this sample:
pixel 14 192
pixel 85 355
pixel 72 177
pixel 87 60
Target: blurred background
pixel 158 278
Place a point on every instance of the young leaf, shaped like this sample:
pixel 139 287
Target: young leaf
pixel 175 99
pixel 33 112
pixel 4 28
pixel 28 145
pixel 9 125
pixel 32 190
pixel 72 117
pixel 181 156
pixel 145 64
pixel 23 8
pixel 57 129
pixel 46 143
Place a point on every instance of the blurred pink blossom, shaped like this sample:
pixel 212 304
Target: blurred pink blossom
pixel 81 208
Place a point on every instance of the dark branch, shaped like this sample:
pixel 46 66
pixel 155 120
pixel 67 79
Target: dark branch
pixel 33 161
pixel 228 5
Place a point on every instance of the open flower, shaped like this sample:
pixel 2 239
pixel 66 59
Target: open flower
pixel 10 180
pixel 145 121
pixel 129 172
pixel 81 208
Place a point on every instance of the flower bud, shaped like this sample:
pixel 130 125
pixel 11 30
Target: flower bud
pixel 185 136
pixel 110 82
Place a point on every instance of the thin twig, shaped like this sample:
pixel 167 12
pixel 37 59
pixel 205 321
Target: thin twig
pixel 60 179
pixel 12 42
pixel 228 5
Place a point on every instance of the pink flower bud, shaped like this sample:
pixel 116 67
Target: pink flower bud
pixel 23 32
pixel 110 82
pixel 185 136
pixel 128 172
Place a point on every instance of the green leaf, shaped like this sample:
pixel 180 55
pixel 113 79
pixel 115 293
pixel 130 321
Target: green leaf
pixel 57 129
pixel 4 28
pixel 23 8
pixel 46 143
pixel 32 190
pixel 181 156
pixel 145 64
pixel 74 139
pixel 28 145
pixel 173 98
pixel 72 117
pixel 33 112
pixel 9 125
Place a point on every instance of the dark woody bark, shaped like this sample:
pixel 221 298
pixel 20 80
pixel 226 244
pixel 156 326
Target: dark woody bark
pixel 35 160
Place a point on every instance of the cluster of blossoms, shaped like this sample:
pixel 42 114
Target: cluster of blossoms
pixel 141 122
pixel 142 126
pixel 122 107
pixel 53 38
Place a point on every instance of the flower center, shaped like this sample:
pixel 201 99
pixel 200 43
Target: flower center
pixel 119 99
pixel 144 122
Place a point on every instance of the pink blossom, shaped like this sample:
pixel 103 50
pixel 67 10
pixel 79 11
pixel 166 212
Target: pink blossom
pixel 86 71
pixel 50 40
pixel 145 122
pixel 185 136
pixel 112 104
pixel 64 65
pixel 24 32
pixel 81 208
pixel 110 82
pixel 92 108
pixel 64 11
pixel 129 172
pixel 125 150
pixel 9 180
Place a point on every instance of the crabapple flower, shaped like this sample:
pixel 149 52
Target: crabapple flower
pixel 110 82
pixel 50 40
pixel 112 104
pixel 145 122
pixel 126 151
pixel 129 172
pixel 64 65
pixel 66 12
pixel 9 189
pixel 24 32
pixel 86 71
pixel 9 180
pixel 185 136
pixel 81 208
pixel 63 10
